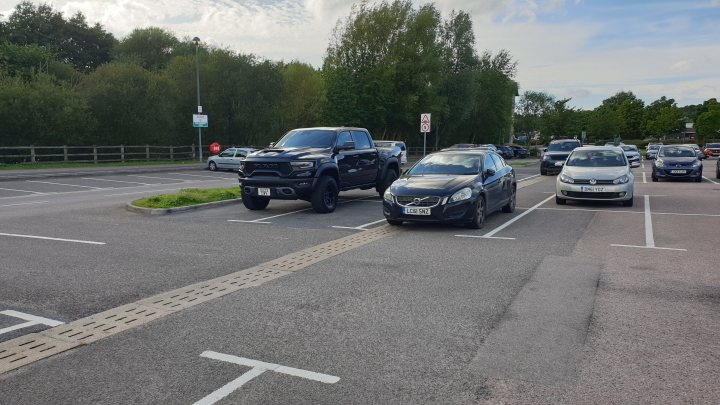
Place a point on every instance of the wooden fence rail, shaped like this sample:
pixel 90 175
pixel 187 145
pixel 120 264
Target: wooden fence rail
pixel 96 153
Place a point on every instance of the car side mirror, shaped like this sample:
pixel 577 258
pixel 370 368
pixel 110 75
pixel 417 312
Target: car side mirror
pixel 489 172
pixel 272 144
pixel 347 146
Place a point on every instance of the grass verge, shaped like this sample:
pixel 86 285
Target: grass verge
pixel 519 163
pixel 189 196
pixel 71 165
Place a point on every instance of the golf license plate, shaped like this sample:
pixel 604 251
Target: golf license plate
pixel 584 189
pixel 677 171
pixel 416 211
pixel 264 191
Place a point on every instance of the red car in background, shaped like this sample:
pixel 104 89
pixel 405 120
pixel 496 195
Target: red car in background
pixel 712 149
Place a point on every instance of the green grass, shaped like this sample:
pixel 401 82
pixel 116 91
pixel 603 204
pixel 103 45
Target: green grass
pixel 189 196
pixel 72 165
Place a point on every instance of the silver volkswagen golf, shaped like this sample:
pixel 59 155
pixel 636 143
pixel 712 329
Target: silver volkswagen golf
pixel 596 173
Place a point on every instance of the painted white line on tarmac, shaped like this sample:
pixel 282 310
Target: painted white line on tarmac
pixel 643 166
pixel 484 237
pixel 649 237
pixel 27 203
pixel 22 191
pixel 264 220
pixel 65 184
pixel 649 247
pixel 528 178
pixel 512 221
pixel 117 181
pixel 711 181
pixel 160 178
pixel 644 178
pixel 583 210
pixel 32 320
pixel 230 387
pixel 204 176
pixel 15 235
pixel 360 227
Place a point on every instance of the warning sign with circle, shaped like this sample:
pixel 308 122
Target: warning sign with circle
pixel 425 122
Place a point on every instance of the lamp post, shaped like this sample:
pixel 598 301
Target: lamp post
pixel 196 40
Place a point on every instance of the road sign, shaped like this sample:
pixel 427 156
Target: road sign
pixel 425 123
pixel 200 121
pixel 214 148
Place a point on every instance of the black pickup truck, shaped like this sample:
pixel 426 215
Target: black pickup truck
pixel 315 164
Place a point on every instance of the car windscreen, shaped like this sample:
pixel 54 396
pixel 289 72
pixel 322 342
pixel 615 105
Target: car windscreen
pixel 383 144
pixel 629 148
pixel 653 147
pixel 307 138
pixel 713 145
pixel 596 158
pixel 562 146
pixel 455 164
pixel 677 152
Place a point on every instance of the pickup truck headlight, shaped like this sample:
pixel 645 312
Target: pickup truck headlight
pixel 463 194
pixel 566 179
pixel 302 165
pixel 388 196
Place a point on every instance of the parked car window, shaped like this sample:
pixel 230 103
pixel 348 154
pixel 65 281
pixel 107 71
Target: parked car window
pixel 344 137
pixel 596 158
pixel 499 162
pixel 403 148
pixel 361 140
pixel 489 163
pixel 227 153
pixel 563 146
pixel 447 164
pixel 240 153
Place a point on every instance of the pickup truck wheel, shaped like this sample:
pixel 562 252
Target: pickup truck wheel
pixel 325 196
pixel 212 166
pixel 255 203
pixel 390 177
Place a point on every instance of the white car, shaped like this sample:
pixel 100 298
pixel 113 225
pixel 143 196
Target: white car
pixel 229 159
pixel 596 173
pixel 393 144
pixel 632 153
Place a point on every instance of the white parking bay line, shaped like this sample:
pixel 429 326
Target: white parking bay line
pixel 490 235
pixel 205 176
pixel 117 181
pixel 27 203
pixel 528 178
pixel 22 191
pixel 15 235
pixel 264 220
pixel 360 227
pixel 649 236
pixel 644 178
pixel 158 178
pixel 65 184
pixel 711 181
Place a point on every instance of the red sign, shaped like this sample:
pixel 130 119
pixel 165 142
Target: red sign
pixel 214 148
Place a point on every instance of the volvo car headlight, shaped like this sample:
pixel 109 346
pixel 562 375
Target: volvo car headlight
pixel 388 196
pixel 463 194
pixel 302 165
pixel 566 179
pixel 621 180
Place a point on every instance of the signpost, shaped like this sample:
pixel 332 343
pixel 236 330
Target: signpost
pixel 214 148
pixel 425 128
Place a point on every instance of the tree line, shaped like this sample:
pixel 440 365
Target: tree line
pixel 66 81
pixel 622 115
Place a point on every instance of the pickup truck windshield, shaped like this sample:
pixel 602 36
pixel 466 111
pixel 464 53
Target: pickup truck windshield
pixel 447 164
pixel 311 138
pixel 562 146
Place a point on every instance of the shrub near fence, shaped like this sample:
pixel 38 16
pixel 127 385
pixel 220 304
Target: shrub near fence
pixel 95 154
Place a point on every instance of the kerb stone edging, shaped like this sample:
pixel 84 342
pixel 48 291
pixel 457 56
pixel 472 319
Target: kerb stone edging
pixel 162 211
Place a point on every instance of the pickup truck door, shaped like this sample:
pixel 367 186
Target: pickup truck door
pixel 347 161
pixel 368 158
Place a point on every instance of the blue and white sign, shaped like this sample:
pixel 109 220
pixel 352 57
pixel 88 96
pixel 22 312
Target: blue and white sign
pixel 200 121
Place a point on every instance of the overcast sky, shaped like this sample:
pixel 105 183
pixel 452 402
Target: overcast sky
pixel 584 49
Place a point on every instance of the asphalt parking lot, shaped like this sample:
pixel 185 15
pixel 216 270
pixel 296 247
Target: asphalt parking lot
pixel 551 304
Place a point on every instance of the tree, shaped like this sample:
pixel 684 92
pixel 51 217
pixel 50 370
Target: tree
pixel 150 47
pixel 630 112
pixel 557 121
pixel 667 121
pixel 708 122
pixel 530 108
pixel 604 123
pixel 303 96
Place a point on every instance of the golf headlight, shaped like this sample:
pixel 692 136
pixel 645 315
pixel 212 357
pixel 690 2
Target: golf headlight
pixel 621 180
pixel 388 196
pixel 302 165
pixel 463 194
pixel 566 179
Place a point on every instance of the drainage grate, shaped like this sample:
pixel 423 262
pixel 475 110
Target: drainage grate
pixel 31 348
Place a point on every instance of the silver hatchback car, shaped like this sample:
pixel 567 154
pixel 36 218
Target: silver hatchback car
pixel 596 173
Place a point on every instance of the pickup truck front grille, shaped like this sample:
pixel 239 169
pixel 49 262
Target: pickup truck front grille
pixel 417 201
pixel 270 168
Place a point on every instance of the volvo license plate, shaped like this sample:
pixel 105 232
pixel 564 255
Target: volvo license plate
pixel 416 211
